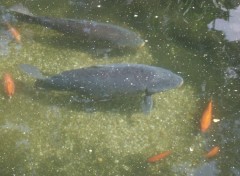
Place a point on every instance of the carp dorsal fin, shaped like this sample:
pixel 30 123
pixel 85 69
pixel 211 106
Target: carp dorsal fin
pixel 19 8
pixel 32 71
pixel 110 65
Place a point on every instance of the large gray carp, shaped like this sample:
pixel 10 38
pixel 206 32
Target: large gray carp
pixel 115 36
pixel 106 82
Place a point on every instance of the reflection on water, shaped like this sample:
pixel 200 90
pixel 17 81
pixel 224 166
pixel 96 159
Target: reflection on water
pixel 48 133
pixel 7 41
pixel 209 168
pixel 230 26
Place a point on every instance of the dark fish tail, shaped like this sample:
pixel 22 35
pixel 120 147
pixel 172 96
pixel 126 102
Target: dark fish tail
pixel 19 8
pixel 32 71
pixel 24 14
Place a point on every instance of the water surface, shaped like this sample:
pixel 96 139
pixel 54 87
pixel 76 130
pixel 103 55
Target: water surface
pixel 49 133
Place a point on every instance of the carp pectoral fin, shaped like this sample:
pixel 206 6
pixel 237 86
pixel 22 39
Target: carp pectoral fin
pixel 147 104
pixel 32 71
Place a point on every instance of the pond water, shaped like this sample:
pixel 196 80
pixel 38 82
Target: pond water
pixel 51 133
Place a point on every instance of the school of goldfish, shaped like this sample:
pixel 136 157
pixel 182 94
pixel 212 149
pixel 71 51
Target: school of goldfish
pixel 205 123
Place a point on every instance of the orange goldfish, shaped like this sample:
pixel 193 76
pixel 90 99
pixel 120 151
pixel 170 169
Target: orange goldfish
pixel 14 32
pixel 9 85
pixel 206 117
pixel 213 152
pixel 158 157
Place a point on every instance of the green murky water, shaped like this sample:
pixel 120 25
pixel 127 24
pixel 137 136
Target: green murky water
pixel 47 133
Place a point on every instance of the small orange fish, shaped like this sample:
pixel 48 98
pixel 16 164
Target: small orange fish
pixel 158 157
pixel 213 152
pixel 9 85
pixel 206 117
pixel 14 32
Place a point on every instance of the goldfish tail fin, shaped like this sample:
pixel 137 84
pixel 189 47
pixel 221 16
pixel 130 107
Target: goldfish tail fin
pixel 32 71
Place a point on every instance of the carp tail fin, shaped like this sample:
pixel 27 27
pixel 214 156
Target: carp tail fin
pixel 19 8
pixel 32 71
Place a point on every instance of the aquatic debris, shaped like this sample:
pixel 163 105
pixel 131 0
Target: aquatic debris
pixel 115 36
pixel 231 73
pixel 216 120
pixel 158 157
pixel 106 82
pixel 9 85
pixel 213 152
pixel 16 35
pixel 206 117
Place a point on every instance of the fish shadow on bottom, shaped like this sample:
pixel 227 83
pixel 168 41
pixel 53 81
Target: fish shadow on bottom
pixel 95 48
pixel 72 101
pixel 123 105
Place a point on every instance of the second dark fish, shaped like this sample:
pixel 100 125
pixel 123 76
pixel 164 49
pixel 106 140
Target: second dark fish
pixel 115 36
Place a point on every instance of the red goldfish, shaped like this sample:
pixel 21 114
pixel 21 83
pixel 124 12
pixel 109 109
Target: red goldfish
pixel 213 152
pixel 206 117
pixel 9 85
pixel 158 157
pixel 14 32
